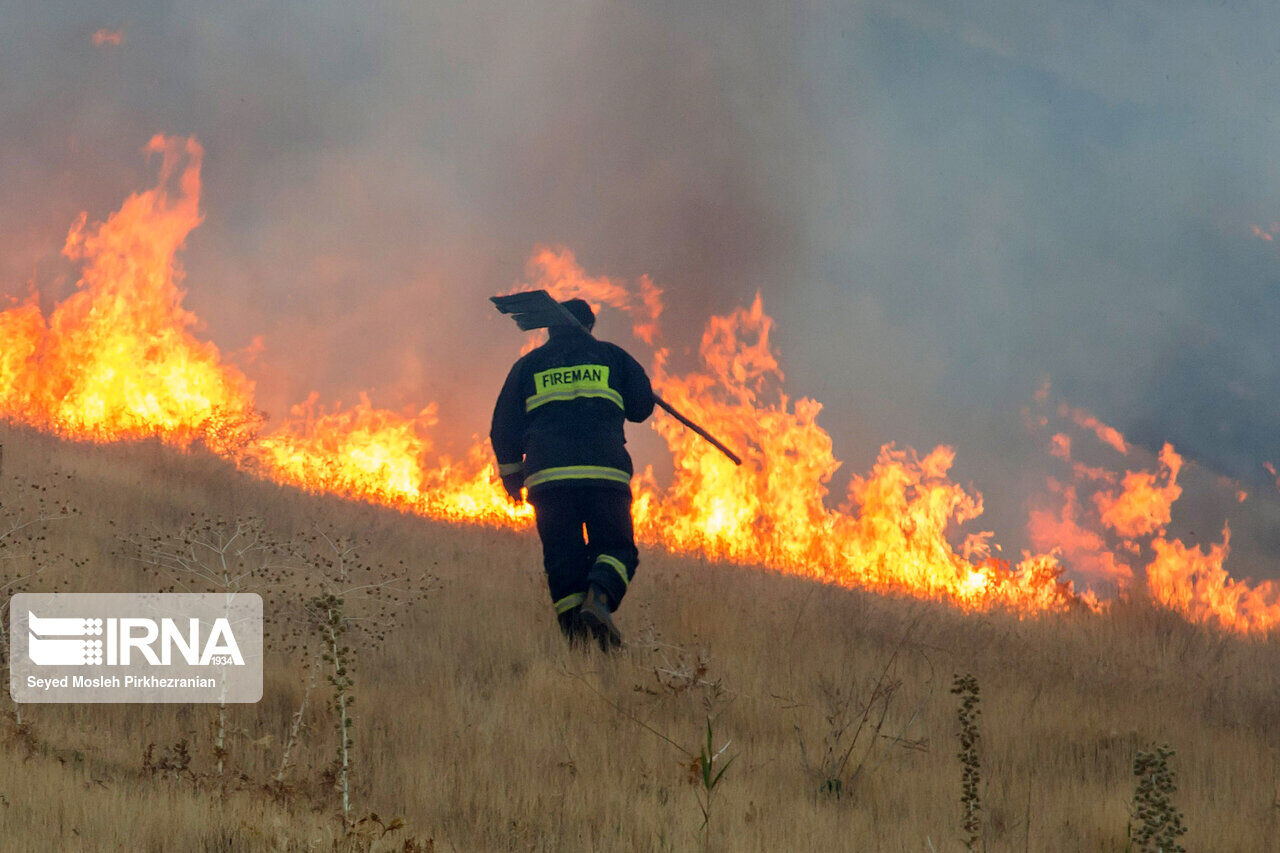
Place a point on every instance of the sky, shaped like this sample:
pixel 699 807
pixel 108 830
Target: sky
pixel 943 204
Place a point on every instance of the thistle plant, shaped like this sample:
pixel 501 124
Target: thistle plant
pixel 1155 823
pixel 346 605
pixel 966 687
pixel 214 555
pixel 332 624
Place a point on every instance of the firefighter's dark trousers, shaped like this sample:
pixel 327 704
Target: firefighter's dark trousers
pixel 606 556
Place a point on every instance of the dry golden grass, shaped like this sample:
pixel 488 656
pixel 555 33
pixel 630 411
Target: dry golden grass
pixel 482 731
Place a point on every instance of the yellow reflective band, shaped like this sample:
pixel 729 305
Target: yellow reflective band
pixel 618 567
pixel 541 399
pixel 570 601
pixel 570 383
pixel 505 468
pixel 577 472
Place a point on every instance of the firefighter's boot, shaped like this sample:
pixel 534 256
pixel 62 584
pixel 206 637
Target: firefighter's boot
pixel 595 617
pixel 572 628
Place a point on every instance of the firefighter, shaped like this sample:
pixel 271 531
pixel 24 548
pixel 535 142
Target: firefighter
pixel 558 433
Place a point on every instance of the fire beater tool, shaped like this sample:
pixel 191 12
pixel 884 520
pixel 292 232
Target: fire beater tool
pixel 536 309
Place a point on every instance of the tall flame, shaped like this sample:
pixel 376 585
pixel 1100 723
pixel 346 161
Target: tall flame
pixel 118 359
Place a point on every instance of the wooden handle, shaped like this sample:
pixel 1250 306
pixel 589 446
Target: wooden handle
pixel 699 430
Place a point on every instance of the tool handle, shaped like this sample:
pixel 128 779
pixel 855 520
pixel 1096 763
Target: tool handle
pixel 699 430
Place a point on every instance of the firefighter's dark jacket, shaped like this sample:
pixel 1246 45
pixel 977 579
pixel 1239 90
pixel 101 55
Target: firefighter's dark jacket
pixel 559 416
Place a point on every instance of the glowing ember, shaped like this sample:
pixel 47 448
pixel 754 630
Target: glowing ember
pixel 117 360
pixel 108 37
pixel 1269 233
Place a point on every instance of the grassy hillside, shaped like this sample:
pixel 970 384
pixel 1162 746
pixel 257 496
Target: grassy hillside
pixel 480 730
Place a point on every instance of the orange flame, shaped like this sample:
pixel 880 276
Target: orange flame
pixel 1193 582
pixel 1133 517
pixel 1083 549
pixel 1106 434
pixel 363 452
pixel 118 360
pixel 1145 501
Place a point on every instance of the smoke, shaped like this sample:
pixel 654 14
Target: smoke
pixel 941 207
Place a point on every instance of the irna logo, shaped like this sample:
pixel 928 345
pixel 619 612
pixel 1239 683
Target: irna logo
pixel 135 647
pixel 129 641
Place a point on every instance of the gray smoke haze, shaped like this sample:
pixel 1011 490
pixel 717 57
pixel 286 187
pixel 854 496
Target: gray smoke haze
pixel 941 208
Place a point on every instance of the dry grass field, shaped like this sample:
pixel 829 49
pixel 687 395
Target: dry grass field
pixel 478 729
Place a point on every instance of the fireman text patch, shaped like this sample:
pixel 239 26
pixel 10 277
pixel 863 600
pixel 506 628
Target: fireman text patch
pixel 570 383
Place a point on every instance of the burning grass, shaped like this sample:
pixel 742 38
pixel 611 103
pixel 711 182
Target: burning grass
pixel 478 728
pixel 119 360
